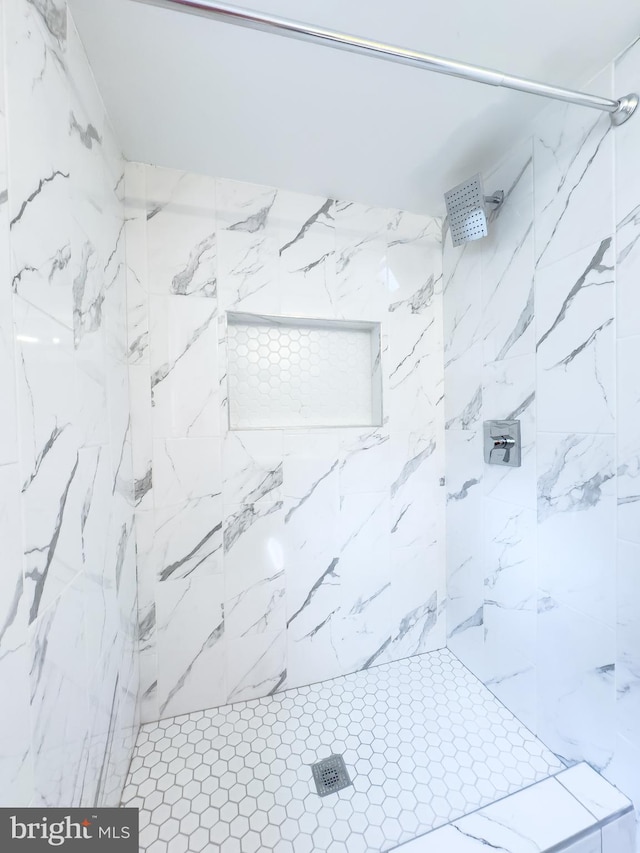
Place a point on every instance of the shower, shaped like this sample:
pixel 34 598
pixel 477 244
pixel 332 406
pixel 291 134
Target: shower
pixel 301 548
pixel 466 209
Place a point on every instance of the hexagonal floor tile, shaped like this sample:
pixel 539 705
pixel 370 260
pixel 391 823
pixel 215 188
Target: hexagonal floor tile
pixel 424 741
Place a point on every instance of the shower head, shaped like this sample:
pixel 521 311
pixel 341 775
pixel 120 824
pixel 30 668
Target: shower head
pixel 466 210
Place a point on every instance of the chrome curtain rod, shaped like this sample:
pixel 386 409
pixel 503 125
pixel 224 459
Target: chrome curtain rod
pixel 619 110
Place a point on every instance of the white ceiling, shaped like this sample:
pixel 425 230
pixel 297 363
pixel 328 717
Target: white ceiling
pixel 209 97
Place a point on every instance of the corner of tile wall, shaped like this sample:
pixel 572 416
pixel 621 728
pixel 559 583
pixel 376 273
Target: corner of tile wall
pixel 273 558
pixel 65 496
pixel 554 340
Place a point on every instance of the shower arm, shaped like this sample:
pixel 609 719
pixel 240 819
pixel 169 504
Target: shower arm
pixel 619 110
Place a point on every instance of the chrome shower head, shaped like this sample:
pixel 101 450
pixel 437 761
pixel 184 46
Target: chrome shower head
pixel 466 210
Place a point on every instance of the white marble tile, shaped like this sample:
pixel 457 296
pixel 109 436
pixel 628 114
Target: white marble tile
pixel 117 756
pixel 576 690
pixel 417 490
pixel 254 547
pixel 463 389
pixel 284 537
pixel 627 209
pixel 185 469
pixel 591 843
pixel 67 269
pixel 306 248
pixel 338 615
pixel 311 537
pixel 573 154
pixel 90 340
pixel 365 462
pixel 575 303
pixel 39 186
pixel 361 261
pixel 312 542
pixel 8 426
pixel 628 425
pixel 148 697
pixel 244 207
pixel 508 260
pixel 136 259
pixel 453 840
pixel 462 283
pixel 311 607
pixel 46 392
pixel 248 263
pixel 16 761
pixel 12 614
pixel 628 641
pixel 258 609
pixel 515 821
pixel 417 602
pixel 507 673
pixel 510 605
pixel 59 706
pixel 187 539
pixel 142 434
pixel 363 529
pixel 514 824
pixel 256 666
pixel 362 627
pixel 181 233
pixel 508 392
pixel 509 590
pixel 120 429
pixel 594 792
pixel 619 836
pixel 622 771
pixel 576 518
pixel 49 455
pixel 309 459
pixel 88 114
pixel 413 365
pixel 115 274
pixel 102 513
pixel 464 566
pixel 405 227
pixel 252 464
pixel 184 367
pixel 16 773
pixel 414 258
pixel 147 578
pixel 190 644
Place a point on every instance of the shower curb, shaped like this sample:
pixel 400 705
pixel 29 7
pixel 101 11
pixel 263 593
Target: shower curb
pixel 593 810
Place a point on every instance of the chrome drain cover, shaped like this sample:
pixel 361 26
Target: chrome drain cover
pixel 330 775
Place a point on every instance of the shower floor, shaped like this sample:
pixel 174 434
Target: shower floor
pixel 423 740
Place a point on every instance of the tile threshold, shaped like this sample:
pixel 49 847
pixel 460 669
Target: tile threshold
pixel 424 842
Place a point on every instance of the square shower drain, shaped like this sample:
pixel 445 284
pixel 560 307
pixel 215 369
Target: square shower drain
pixel 330 775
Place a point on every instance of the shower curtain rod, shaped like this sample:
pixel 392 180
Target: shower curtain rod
pixel 619 110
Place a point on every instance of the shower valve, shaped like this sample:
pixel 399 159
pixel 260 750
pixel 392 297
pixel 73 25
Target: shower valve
pixel 502 445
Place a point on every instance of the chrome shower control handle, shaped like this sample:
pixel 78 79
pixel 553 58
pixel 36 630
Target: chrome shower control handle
pixel 503 442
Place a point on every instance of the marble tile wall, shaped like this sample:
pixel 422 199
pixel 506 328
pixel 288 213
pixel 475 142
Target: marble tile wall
pixel 68 663
pixel 542 323
pixel 273 558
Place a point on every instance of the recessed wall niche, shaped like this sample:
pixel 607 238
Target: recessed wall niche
pixel 294 372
